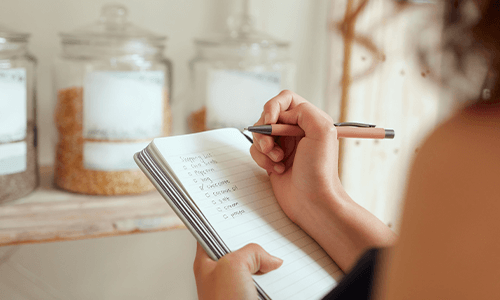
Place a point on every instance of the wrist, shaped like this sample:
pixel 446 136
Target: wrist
pixel 321 211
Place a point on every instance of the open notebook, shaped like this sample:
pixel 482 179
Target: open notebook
pixel 226 201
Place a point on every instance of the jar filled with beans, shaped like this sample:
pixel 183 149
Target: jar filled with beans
pixel 18 149
pixel 113 87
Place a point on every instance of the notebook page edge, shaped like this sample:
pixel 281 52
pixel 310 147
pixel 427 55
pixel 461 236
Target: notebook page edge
pixel 186 196
pixel 174 207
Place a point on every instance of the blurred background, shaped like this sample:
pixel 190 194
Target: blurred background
pixel 372 61
pixel 152 265
pixel 302 23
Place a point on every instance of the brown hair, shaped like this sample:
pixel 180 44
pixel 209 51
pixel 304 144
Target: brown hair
pixel 481 37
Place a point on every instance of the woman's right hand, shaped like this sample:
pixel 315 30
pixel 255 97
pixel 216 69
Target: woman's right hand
pixel 304 176
pixel 303 170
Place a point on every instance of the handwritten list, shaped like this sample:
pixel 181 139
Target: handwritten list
pixel 236 197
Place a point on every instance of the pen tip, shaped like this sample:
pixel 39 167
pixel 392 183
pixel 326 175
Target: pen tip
pixel 245 128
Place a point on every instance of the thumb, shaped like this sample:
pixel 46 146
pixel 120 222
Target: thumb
pixel 257 260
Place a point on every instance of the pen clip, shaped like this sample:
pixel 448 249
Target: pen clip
pixel 355 124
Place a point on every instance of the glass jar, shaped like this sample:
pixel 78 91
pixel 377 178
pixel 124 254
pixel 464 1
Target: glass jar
pixel 235 74
pixel 18 149
pixel 113 87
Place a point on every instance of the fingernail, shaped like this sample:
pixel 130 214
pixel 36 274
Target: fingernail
pixel 277 260
pixel 280 168
pixel 262 143
pixel 274 155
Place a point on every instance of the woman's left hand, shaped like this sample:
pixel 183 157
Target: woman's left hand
pixel 231 276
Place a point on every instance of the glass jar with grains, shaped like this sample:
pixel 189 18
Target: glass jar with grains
pixel 18 150
pixel 113 87
pixel 235 73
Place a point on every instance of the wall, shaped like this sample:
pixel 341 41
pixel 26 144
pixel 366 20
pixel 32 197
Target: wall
pixel 389 85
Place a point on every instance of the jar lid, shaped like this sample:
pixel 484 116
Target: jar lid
pixel 242 32
pixel 9 35
pixel 112 27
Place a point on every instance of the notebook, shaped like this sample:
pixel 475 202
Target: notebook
pixel 226 200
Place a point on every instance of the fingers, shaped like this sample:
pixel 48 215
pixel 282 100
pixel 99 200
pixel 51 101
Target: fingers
pixel 255 259
pixel 265 162
pixel 282 102
pixel 316 123
pixel 289 108
pixel 264 143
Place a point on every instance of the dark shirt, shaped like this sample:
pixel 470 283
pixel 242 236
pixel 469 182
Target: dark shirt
pixel 358 283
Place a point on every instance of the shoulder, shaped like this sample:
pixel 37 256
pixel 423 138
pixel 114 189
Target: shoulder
pixel 455 175
pixel 448 247
pixel 468 143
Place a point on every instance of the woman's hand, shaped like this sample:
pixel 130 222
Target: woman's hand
pixel 304 176
pixel 303 170
pixel 231 276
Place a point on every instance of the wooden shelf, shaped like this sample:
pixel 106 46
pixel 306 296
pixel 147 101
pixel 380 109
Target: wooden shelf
pixel 49 214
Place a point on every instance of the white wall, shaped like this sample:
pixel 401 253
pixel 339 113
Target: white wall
pixel 303 23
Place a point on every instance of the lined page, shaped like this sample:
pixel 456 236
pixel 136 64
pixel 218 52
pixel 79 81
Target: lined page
pixel 236 197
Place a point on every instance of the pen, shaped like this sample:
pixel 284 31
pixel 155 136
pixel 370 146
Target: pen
pixel 344 130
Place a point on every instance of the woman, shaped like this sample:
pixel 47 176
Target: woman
pixel 450 234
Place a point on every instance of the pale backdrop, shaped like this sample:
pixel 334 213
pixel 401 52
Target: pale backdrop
pixel 149 266
pixel 303 23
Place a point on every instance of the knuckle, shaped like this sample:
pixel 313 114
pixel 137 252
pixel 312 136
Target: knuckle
pixel 306 109
pixel 286 93
pixel 253 246
pixel 319 120
pixel 328 129
pixel 301 107
pixel 329 118
pixel 306 106
pixel 269 104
